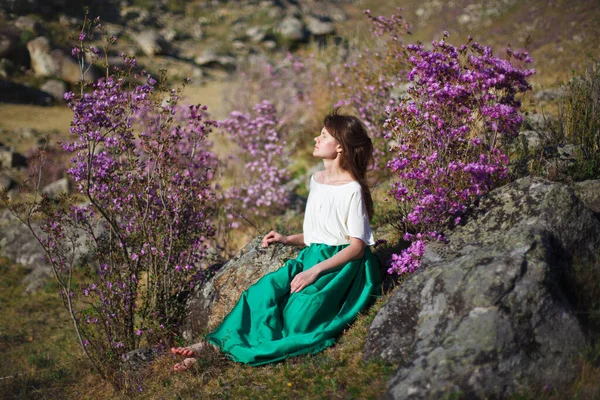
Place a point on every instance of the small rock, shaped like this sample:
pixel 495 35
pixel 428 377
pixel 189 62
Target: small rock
pixel 7 67
pixel 28 23
pixel 269 44
pixel 256 34
pixel 48 62
pixel 55 88
pixel 547 94
pixel 9 39
pixel 137 359
pixel 291 28
pixel 11 159
pixel 57 188
pixel 532 138
pixel 318 26
pixel 211 60
pixel 6 183
pixel 151 42
pixel 538 122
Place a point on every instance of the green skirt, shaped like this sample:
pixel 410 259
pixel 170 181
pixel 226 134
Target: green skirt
pixel 268 324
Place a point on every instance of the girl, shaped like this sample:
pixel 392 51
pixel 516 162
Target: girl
pixel 303 306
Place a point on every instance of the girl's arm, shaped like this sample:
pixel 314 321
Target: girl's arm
pixel 353 251
pixel 272 237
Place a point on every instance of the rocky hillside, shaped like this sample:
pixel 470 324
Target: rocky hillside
pixel 202 39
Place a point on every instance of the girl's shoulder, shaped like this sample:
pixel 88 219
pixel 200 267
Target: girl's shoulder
pixel 350 185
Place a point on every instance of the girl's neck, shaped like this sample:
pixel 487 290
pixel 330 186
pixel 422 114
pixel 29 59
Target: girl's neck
pixel 334 174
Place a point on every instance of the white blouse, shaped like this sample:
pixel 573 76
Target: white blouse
pixel 335 213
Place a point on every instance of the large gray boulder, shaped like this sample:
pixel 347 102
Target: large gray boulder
pixel 20 245
pixel 209 304
pixel 498 308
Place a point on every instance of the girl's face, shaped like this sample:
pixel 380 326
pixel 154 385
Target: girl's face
pixel 326 146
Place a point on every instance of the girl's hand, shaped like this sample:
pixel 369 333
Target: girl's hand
pixel 303 279
pixel 272 237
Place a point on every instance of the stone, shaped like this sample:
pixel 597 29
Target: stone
pixel 500 307
pixel 11 159
pixel 7 67
pixel 136 360
pixel 292 28
pixel 319 26
pixel 256 34
pixel 532 137
pixel 538 122
pixel 20 245
pixel 55 189
pixel 55 88
pixel 42 62
pixel 9 40
pixel 29 24
pixel 55 63
pixel 209 59
pixel 6 183
pixel 11 92
pixel 549 94
pixel 208 304
pixel 151 42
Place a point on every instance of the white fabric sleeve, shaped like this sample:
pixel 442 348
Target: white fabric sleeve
pixel 358 220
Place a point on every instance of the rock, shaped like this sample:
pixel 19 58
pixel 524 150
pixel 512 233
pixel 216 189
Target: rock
pixel 7 67
pixel 46 62
pixel 6 183
pixel 29 24
pixel 538 122
pixel 548 94
pixel 211 60
pixel 11 159
pixel 57 188
pixel 256 34
pixel 495 310
pixel 589 193
pixel 9 40
pixel 532 137
pixel 42 62
pixel 208 304
pixel 151 42
pixel 11 92
pixel 292 29
pixel 56 89
pixel 18 244
pixel 319 26
pixel 138 359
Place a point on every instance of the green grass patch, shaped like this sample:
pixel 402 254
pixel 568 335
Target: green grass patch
pixel 40 358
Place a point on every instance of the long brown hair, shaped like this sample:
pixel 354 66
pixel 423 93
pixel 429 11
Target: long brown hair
pixel 357 149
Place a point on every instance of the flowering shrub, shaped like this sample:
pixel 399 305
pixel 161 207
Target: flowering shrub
pixel 450 130
pixel 142 168
pixel 263 152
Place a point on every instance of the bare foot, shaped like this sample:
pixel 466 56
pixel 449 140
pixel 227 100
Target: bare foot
pixel 184 365
pixel 191 351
